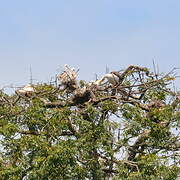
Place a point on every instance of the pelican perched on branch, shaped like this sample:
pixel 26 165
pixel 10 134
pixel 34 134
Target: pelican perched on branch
pixel 68 79
pixel 26 91
pixel 69 74
pixel 113 78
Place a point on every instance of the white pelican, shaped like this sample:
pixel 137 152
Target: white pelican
pixel 111 77
pixel 26 91
pixel 69 74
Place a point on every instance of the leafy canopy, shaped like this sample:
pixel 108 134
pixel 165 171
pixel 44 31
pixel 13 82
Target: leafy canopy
pixel 124 126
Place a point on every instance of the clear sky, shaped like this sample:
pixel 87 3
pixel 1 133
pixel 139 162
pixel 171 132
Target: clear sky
pixel 86 34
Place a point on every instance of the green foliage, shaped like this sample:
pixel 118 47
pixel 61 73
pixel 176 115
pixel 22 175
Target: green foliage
pixel 122 138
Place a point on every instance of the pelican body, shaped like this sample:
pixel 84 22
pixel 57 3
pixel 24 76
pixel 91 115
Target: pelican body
pixel 26 91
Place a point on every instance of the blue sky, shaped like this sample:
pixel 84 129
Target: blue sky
pixel 86 34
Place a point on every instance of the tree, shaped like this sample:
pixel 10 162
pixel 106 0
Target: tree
pixel 124 126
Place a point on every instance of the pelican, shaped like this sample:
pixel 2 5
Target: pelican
pixel 111 77
pixel 67 75
pixel 26 91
